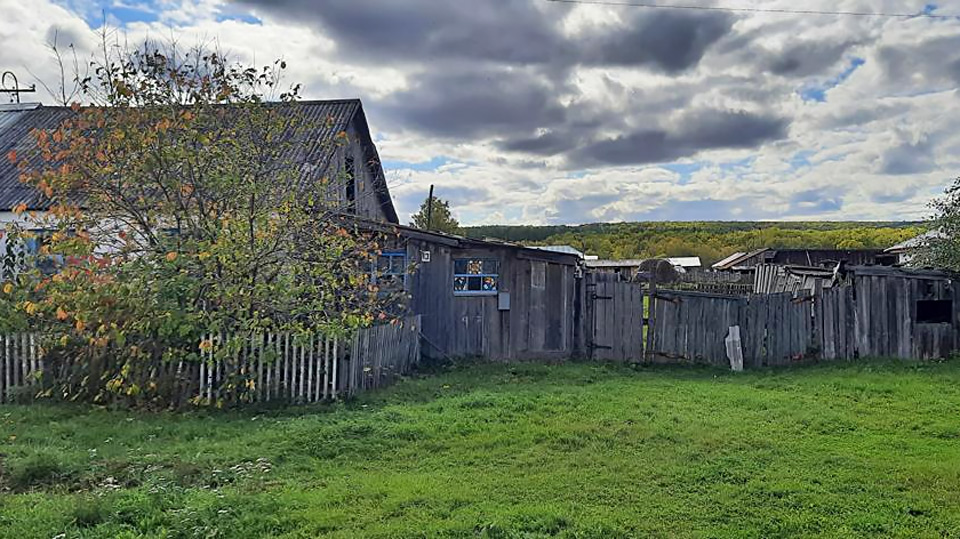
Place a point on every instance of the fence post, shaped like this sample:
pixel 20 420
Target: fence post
pixel 651 319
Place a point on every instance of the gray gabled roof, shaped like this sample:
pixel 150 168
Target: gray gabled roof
pixel 915 242
pixel 330 117
pixel 16 123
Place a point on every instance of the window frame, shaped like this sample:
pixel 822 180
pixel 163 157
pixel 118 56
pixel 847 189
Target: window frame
pixel 481 276
pixel 391 254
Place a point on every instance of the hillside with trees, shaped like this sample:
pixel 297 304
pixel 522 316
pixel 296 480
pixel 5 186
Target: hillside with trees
pixel 711 241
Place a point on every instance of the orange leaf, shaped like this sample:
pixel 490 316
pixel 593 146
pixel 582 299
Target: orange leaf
pixel 171 256
pixel 12 156
pixel 20 208
pixel 61 314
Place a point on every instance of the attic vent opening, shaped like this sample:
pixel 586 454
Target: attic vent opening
pixel 934 311
pixel 351 180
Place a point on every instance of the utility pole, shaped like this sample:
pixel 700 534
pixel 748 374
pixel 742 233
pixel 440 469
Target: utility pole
pixel 430 209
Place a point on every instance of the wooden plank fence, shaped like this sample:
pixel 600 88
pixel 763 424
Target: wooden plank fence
pixel 272 367
pixel 691 327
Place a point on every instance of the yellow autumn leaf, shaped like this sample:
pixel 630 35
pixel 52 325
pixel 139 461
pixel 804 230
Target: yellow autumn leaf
pixel 8 288
pixel 80 325
pixel 171 256
pixel 30 307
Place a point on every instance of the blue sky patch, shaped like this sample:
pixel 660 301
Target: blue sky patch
pixel 423 166
pixel 818 93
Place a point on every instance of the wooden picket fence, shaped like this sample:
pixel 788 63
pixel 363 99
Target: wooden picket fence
pixel 20 363
pixel 270 367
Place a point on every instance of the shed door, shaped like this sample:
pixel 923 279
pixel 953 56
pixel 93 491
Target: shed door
pixel 615 325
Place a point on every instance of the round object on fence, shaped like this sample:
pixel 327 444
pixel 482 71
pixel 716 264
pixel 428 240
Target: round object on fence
pixel 661 270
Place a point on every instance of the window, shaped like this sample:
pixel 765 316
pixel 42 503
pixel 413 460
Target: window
pixel 476 276
pixel 391 270
pixel 538 275
pixel 934 311
pixel 351 179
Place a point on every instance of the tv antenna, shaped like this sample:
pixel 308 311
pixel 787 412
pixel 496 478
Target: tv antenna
pixel 15 90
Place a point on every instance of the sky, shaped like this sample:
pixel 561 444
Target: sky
pixel 541 112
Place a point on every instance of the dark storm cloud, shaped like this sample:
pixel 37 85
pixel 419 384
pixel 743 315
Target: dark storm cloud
pixel 727 129
pixel 511 31
pixel 698 131
pixel 671 41
pixel 547 144
pixel 807 58
pixel 476 103
pixel 908 158
pixel 516 32
pixel 506 71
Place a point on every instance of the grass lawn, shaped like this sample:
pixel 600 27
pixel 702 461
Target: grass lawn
pixel 577 450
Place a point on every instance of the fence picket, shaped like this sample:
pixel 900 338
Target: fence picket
pixel 306 369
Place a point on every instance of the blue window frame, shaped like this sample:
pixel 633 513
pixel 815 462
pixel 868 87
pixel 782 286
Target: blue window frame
pixel 391 270
pixel 476 276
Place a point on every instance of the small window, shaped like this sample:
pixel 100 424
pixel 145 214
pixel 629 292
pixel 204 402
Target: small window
pixel 391 270
pixel 476 276
pixel 351 179
pixel 538 275
pixel 935 311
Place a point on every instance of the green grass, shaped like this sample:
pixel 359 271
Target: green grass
pixel 578 450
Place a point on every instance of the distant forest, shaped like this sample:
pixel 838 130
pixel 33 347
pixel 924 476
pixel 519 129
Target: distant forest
pixel 709 240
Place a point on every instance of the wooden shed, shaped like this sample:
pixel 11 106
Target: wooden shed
pixel 905 313
pixel 487 299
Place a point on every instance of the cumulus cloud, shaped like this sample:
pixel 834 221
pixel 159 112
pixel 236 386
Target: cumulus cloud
pixel 528 111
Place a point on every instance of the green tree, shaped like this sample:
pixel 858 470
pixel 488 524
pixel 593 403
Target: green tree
pixel 440 219
pixel 180 209
pixel 942 249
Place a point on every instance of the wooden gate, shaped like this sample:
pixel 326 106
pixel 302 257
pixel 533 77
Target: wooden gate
pixel 777 329
pixel 614 320
pixel 691 327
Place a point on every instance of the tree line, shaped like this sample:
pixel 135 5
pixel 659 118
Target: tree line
pixel 711 241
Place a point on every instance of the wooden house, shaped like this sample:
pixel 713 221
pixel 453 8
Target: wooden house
pixel 325 151
pixel 481 298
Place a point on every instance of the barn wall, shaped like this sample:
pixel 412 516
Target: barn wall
pixel 539 323
pixel 886 317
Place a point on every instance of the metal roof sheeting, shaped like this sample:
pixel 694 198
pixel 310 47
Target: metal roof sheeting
pixel 685 261
pixel 613 263
pixel 560 249
pixel 915 242
pixel 16 124
pixel 736 258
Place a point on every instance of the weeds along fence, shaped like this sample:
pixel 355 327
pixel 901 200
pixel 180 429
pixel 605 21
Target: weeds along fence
pixel 268 367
